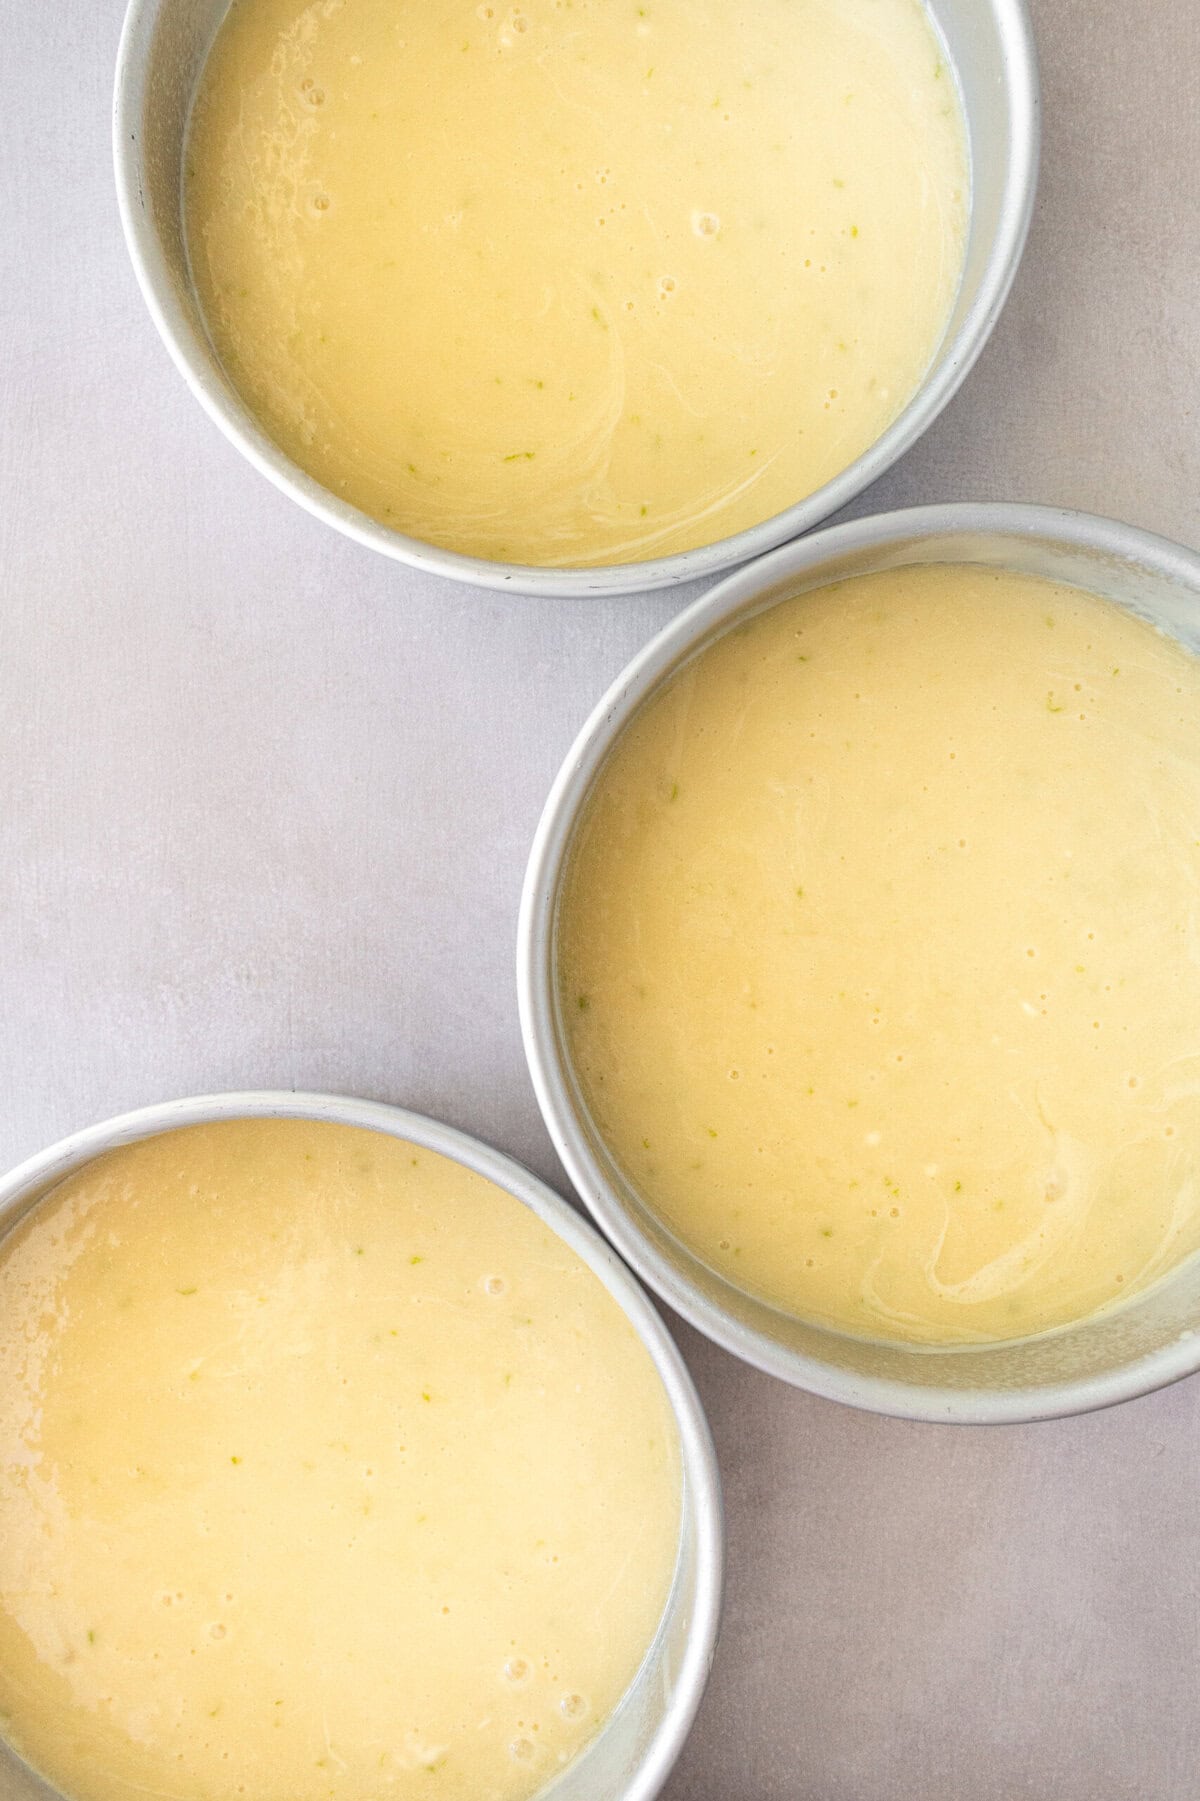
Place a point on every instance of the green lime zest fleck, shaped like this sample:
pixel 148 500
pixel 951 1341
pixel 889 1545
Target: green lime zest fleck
pixel 674 794
pixel 1051 707
pixel 517 455
pixel 583 1002
pixel 235 1460
pixel 185 1291
pixel 415 1260
pixel 712 1131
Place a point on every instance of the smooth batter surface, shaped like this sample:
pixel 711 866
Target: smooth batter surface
pixel 326 1470
pixel 570 281
pixel 880 955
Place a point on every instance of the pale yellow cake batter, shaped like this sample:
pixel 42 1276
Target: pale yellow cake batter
pixel 880 955
pixel 567 281
pixel 327 1473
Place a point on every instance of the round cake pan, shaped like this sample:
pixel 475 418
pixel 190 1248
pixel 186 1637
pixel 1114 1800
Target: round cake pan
pixel 989 45
pixel 1152 1339
pixel 632 1754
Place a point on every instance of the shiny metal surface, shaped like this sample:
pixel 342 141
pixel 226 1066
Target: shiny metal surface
pixel 163 45
pixel 1152 1340
pixel 631 1756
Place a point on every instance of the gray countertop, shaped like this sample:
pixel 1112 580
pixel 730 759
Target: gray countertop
pixel 266 805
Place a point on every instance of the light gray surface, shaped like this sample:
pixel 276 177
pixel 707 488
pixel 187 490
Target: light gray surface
pixel 266 801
